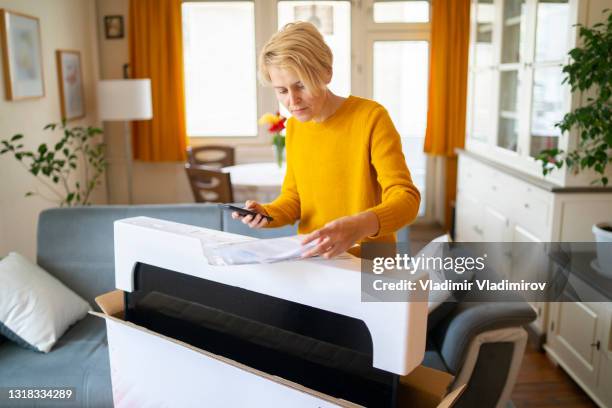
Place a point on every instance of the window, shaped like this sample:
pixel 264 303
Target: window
pixel 400 85
pixel 414 11
pixel 220 83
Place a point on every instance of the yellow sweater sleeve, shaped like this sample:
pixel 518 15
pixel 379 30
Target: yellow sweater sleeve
pixel 400 198
pixel 285 209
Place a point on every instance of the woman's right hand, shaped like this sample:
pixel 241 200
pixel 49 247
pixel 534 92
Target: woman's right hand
pixel 254 222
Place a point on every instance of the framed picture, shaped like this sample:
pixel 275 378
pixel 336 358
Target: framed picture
pixel 21 55
pixel 113 27
pixel 70 84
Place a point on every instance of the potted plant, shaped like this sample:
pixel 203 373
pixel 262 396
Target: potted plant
pixel 276 124
pixel 588 71
pixel 55 165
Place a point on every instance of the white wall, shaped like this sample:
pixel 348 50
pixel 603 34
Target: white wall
pixel 64 24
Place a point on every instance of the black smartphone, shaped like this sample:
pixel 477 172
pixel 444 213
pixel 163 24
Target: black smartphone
pixel 243 211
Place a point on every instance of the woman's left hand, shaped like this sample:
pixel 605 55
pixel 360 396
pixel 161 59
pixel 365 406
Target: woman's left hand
pixel 339 235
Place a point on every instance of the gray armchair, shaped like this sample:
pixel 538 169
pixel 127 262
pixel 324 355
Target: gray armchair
pixel 482 344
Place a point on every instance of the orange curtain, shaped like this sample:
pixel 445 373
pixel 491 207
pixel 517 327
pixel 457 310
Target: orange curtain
pixel 156 52
pixel 448 74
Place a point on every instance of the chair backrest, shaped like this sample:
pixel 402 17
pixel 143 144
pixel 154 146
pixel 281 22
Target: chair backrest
pixel 211 156
pixel 209 185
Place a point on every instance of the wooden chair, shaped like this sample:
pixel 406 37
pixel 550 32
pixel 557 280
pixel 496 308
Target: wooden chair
pixel 209 185
pixel 211 156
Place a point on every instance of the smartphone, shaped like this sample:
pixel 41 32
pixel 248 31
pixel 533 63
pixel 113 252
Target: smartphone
pixel 243 211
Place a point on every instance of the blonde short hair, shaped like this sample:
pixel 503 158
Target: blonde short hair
pixel 299 47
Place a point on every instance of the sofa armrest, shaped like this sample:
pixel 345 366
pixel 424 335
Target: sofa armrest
pixel 470 318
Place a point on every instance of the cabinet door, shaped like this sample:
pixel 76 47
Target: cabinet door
pixel 480 113
pixel 604 390
pixel 469 218
pixel 572 336
pixel 496 225
pixel 550 99
pixel 497 229
pixel 525 260
pixel 511 77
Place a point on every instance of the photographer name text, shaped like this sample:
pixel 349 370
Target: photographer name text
pixel 448 285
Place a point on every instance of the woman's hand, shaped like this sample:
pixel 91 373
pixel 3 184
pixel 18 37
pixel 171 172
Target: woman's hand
pixel 339 235
pixel 257 221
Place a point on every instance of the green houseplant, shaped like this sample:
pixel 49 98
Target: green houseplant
pixel 54 165
pixel 589 70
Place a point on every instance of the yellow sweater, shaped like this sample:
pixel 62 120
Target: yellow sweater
pixel 349 163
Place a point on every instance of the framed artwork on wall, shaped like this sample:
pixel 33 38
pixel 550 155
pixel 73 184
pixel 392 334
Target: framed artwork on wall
pixel 113 27
pixel 21 56
pixel 72 99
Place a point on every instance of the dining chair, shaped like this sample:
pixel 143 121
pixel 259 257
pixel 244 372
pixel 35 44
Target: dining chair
pixel 209 185
pixel 213 156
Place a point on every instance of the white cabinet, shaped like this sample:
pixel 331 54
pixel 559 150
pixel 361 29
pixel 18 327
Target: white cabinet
pixel 515 97
pixel 498 204
pixel 515 88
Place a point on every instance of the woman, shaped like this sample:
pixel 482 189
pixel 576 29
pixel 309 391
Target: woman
pixel 347 180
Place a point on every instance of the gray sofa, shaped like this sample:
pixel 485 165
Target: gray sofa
pixel 481 343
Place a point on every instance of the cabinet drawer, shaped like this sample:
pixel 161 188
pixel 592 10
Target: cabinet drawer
pixel 501 191
pixel 474 178
pixel 469 218
pixel 532 211
pixel 466 176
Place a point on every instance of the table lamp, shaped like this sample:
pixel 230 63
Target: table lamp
pixel 125 100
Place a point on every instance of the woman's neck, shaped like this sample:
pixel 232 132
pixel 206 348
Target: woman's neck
pixel 330 106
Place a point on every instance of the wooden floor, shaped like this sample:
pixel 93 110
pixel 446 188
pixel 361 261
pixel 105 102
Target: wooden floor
pixel 540 383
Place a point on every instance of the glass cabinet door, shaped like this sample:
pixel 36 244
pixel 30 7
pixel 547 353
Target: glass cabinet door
pixel 483 45
pixel 509 102
pixel 481 115
pixel 513 31
pixel 551 42
pixel 511 73
pixel 547 108
pixel 549 96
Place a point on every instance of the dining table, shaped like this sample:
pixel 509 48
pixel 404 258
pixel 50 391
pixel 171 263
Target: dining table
pixel 256 181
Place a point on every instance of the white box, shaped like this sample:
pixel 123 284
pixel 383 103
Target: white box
pixel 151 369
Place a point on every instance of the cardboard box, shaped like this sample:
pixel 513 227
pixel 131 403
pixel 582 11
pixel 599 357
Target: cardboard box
pixel 150 369
pixel 426 387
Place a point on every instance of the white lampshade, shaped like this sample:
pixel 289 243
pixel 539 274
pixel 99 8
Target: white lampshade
pixel 125 99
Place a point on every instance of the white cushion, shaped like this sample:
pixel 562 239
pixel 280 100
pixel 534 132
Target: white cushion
pixel 35 308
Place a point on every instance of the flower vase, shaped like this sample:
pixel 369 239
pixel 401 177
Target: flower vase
pixel 279 155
